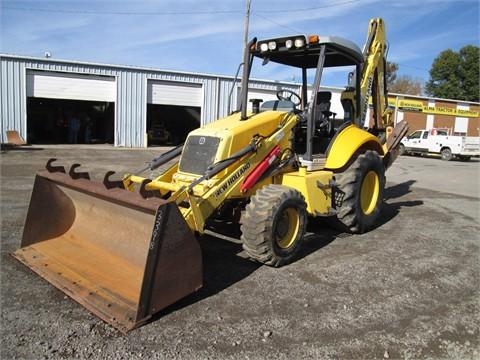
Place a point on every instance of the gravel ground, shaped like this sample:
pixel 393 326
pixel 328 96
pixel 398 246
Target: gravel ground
pixel 407 290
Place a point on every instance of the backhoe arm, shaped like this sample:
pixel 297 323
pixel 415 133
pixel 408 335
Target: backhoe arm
pixel 373 76
pixel 373 84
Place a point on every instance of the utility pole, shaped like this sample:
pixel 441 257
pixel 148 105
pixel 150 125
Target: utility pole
pixel 242 63
pixel 247 21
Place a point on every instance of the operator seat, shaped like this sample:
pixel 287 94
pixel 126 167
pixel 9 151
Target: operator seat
pixel 323 116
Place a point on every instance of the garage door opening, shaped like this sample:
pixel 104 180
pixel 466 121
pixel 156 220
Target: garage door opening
pixel 57 121
pixel 170 124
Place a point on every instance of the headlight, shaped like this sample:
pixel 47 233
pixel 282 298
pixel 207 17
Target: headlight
pixel 288 44
pixel 299 43
pixel 272 45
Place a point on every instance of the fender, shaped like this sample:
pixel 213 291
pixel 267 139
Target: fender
pixel 347 142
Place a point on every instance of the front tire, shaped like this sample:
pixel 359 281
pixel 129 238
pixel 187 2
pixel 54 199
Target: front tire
pixel 401 149
pixel 362 186
pixel 446 154
pixel 274 224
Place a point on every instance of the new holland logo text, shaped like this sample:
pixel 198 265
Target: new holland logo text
pixel 367 96
pixel 232 179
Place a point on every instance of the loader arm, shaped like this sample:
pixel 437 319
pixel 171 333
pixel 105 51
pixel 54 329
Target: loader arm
pixel 198 199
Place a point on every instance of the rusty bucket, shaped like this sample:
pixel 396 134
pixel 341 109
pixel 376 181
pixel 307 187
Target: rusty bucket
pixel 122 256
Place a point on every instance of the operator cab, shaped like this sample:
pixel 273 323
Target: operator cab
pixel 311 55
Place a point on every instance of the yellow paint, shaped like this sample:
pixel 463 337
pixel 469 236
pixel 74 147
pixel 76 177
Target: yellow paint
pixel 269 129
pixel 286 228
pixel 346 145
pixel 236 133
pixel 318 201
pixel 369 192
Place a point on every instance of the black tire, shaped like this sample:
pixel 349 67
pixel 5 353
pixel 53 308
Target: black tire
pixel 464 157
pixel 274 224
pixel 362 186
pixel 401 149
pixel 446 154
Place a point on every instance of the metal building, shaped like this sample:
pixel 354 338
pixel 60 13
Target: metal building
pixel 130 106
pixel 123 105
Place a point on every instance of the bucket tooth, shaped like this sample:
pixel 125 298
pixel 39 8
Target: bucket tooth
pixel 52 168
pixel 78 175
pixel 110 184
pixel 143 190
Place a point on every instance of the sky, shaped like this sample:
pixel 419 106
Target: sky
pixel 207 36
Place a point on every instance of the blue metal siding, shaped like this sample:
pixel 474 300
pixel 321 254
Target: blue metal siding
pixel 223 99
pixel 209 112
pixel 131 98
pixel 12 98
pixel 131 109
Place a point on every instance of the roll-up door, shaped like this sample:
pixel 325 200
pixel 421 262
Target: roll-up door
pixel 174 93
pixel 55 85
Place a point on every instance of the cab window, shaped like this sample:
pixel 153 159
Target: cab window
pixel 415 135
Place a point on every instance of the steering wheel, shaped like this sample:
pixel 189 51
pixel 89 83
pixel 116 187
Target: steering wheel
pixel 289 95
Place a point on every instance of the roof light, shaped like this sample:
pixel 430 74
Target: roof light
pixel 313 39
pixel 299 43
pixel 263 47
pixel 272 45
pixel 288 43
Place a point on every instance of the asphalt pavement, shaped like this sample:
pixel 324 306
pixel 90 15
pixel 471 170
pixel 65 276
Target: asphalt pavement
pixel 408 289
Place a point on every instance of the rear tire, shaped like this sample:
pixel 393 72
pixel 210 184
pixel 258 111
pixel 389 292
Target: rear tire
pixel 274 224
pixel 464 157
pixel 446 154
pixel 362 185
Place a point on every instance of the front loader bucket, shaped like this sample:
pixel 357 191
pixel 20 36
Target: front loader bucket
pixel 122 256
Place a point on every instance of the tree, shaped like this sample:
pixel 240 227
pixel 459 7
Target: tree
pixel 405 84
pixel 456 75
pixel 391 71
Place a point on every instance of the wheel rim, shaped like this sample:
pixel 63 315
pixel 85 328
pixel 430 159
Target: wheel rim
pixel 286 228
pixel 369 192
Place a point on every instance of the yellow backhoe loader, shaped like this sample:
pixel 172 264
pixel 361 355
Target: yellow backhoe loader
pixel 127 248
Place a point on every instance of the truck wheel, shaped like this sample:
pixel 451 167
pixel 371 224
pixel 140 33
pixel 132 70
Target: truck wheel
pixel 464 157
pixel 362 186
pixel 274 224
pixel 401 149
pixel 446 154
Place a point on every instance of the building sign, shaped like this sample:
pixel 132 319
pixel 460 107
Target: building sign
pixel 410 105
pixel 419 106
pixel 415 105
pixel 442 110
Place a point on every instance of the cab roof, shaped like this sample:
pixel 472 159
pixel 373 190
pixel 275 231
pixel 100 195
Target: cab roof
pixel 338 52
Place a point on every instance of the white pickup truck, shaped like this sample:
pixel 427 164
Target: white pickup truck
pixel 439 142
